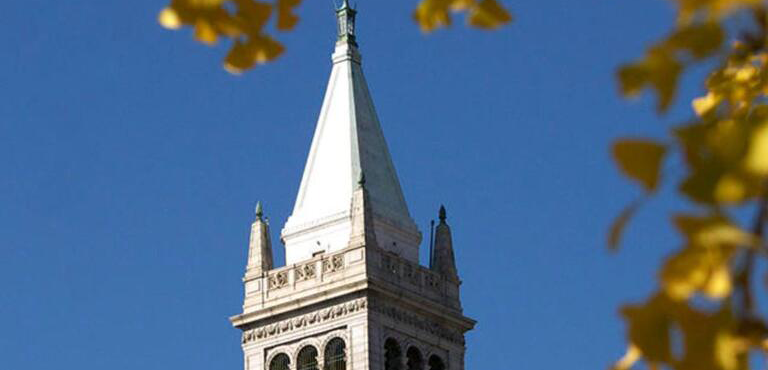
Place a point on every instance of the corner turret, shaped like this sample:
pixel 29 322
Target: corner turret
pixel 443 261
pixel 260 246
pixel 362 217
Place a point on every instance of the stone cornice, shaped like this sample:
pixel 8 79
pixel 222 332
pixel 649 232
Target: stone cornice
pixel 419 322
pixel 306 320
pixel 419 303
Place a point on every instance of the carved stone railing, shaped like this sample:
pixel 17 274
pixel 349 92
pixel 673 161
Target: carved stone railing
pixel 304 271
pixel 357 263
pixel 306 280
pixel 418 279
pixel 333 263
pixel 413 273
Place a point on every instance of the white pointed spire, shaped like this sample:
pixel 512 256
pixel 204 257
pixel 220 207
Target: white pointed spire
pixel 348 140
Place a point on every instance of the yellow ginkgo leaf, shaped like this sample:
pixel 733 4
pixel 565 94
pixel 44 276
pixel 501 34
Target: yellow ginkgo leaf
pixel 726 140
pixel 431 14
pixel 706 103
pixel 632 355
pixel 266 49
pixel 239 58
pixel 488 14
pixel 459 5
pixel 632 79
pixel 665 71
pixel 731 188
pixel 718 284
pixel 169 19
pixel 722 7
pixel 640 160
pixel 204 32
pixel 745 73
pixel 685 272
pixel 701 183
pixel 659 70
pixel 756 161
pixel 204 3
pixel 699 40
pixel 719 8
pixel 697 269
pixel 259 49
pixel 253 15
pixel 649 325
pixel 711 340
pixel 712 230
pixel 286 20
pixel 226 25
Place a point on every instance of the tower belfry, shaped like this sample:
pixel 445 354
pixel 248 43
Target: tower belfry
pixel 352 295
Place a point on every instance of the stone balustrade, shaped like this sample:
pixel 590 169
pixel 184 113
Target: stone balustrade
pixel 337 267
pixel 416 278
pixel 317 268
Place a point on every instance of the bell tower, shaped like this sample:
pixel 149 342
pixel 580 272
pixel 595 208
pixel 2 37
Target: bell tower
pixel 352 295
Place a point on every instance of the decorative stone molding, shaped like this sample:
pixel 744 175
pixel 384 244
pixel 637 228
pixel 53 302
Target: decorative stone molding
pixel 302 321
pixel 413 273
pixel 306 271
pixel 333 263
pixel 278 280
pixel 286 276
pixel 419 322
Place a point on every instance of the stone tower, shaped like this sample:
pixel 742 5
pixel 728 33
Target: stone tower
pixel 352 295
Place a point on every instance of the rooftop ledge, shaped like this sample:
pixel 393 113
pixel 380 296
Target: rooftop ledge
pixel 342 272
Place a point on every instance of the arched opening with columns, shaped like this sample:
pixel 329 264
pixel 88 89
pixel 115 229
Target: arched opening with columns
pixel 307 358
pixel 393 356
pixel 335 355
pixel 414 359
pixel 280 362
pixel 436 363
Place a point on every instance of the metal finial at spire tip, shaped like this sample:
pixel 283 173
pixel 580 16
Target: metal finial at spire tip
pixel 259 211
pixel 442 214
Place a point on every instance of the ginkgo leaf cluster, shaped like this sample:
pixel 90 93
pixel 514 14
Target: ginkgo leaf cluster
pixel 245 23
pixel 721 168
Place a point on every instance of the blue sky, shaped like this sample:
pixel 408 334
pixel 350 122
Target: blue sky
pixel 130 162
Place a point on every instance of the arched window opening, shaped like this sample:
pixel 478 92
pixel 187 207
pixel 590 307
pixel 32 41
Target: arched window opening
pixel 415 361
pixel 307 359
pixel 335 355
pixel 280 362
pixel 393 356
pixel 436 363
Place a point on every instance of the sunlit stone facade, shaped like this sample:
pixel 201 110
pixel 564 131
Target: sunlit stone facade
pixel 352 295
